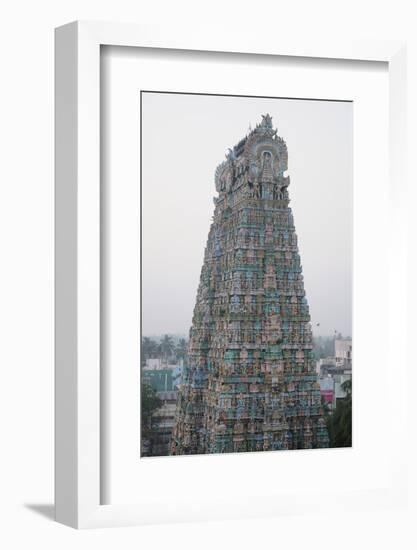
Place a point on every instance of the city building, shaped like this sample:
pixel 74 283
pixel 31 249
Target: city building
pixel 331 387
pixel 250 382
pixel 326 365
pixel 339 380
pixel 153 364
pixel 163 423
pixel 335 371
pixel 161 380
pixel 164 379
pixel 343 352
pixel 327 390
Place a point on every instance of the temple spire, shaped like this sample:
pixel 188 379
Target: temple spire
pixel 249 382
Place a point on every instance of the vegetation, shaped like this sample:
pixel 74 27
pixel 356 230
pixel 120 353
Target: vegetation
pixel 339 424
pixel 149 348
pixel 323 346
pixel 150 404
pixel 181 349
pixel 167 348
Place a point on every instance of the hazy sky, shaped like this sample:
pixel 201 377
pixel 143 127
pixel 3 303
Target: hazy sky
pixel 184 138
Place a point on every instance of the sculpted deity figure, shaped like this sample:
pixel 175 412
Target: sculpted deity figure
pixel 267 160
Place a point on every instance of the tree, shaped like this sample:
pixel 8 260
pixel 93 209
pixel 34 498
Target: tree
pixel 181 349
pixel 166 347
pixel 149 348
pixel 339 424
pixel 323 346
pixel 150 403
pixel 326 408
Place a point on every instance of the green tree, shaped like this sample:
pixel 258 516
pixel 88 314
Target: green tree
pixel 326 408
pixel 150 403
pixel 339 424
pixel 166 347
pixel 181 349
pixel 149 348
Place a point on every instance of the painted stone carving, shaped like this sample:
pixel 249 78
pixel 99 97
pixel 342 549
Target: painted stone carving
pixel 250 381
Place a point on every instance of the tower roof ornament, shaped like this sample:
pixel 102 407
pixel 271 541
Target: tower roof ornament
pixel 266 121
pixel 265 127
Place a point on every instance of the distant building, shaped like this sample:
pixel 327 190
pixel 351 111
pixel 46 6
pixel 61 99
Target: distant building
pixel 331 387
pixel 153 364
pixel 343 352
pixel 163 423
pixel 339 380
pixel 164 379
pixel 160 376
pixel 161 380
pixel 325 365
pixel 335 371
pixel 327 390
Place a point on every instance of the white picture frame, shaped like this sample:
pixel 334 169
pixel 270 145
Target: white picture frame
pixel 78 405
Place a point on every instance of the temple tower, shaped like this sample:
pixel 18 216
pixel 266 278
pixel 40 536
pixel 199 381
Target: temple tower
pixel 250 382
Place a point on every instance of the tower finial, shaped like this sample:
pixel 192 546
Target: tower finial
pixel 266 121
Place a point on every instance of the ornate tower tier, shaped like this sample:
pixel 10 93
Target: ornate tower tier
pixel 250 381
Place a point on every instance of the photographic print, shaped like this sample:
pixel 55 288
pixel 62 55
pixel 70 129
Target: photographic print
pixel 246 274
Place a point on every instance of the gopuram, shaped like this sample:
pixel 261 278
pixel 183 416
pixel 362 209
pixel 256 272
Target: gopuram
pixel 250 382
